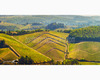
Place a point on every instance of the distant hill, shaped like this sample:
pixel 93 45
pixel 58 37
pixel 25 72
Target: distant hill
pixel 68 20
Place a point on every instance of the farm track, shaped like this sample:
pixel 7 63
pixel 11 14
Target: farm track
pixel 46 33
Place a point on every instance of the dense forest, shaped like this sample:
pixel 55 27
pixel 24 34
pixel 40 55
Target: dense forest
pixel 86 34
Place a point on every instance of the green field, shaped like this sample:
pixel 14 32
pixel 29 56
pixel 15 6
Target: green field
pixel 23 49
pixel 51 44
pixel 85 50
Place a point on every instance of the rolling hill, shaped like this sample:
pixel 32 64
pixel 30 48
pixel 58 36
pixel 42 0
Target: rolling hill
pixel 22 49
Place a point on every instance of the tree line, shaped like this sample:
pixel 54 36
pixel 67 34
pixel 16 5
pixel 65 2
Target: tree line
pixel 22 32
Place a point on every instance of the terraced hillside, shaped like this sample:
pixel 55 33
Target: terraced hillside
pixel 51 44
pixel 85 50
pixel 22 49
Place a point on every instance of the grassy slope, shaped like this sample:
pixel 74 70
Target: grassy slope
pixel 22 49
pixel 56 55
pixel 7 54
pixel 87 50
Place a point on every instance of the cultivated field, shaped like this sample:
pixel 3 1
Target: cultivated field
pixel 51 44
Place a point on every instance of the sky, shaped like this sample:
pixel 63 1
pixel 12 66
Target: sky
pixel 50 7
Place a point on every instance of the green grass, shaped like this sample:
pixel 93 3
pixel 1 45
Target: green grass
pixel 87 50
pixel 24 50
